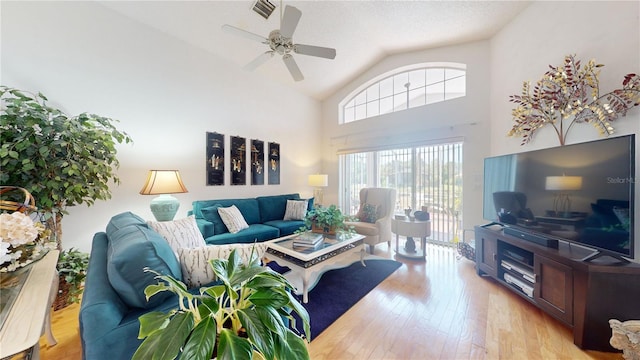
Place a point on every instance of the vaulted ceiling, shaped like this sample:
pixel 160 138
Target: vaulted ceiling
pixel 362 32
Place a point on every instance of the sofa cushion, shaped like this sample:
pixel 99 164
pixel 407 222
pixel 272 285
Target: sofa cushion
pixel 233 219
pixel 273 207
pixel 255 232
pixel 248 207
pixel 296 210
pixel 286 227
pixel 122 220
pixel 195 265
pixel 212 215
pixel 131 249
pixel 181 233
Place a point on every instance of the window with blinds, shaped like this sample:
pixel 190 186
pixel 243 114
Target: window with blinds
pixel 425 177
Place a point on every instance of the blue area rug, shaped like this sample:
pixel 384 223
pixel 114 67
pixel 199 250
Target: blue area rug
pixel 338 290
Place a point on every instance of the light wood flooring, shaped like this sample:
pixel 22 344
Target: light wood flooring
pixel 435 310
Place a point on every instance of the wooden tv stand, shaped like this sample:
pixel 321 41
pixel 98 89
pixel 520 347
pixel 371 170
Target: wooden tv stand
pixel 581 295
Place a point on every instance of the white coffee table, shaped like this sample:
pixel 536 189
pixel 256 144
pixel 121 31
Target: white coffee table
pixel 308 265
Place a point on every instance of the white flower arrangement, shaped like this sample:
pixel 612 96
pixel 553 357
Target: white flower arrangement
pixel 22 241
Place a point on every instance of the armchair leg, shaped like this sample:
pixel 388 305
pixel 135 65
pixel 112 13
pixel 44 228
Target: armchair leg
pixel 371 248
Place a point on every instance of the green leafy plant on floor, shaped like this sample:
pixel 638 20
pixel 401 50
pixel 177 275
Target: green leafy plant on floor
pixel 61 160
pixel 72 268
pixel 240 318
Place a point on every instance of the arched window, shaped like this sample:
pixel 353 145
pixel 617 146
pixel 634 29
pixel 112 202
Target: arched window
pixel 405 88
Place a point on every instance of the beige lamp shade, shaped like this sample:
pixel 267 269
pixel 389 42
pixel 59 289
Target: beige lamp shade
pixel 163 182
pixel 563 183
pixel 319 180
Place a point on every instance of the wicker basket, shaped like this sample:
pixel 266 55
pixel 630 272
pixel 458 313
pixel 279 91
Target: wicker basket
pixel 26 206
pixel 62 299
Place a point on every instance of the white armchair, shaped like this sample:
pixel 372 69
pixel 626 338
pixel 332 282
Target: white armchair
pixel 384 201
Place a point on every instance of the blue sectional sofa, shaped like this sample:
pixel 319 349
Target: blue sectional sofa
pixel 264 214
pixel 113 296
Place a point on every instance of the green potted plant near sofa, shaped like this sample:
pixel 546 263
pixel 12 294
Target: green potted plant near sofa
pixel 72 270
pixel 239 318
pixel 327 220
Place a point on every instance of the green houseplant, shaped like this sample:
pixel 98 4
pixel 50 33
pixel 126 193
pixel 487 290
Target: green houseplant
pixel 241 318
pixel 61 160
pixel 328 220
pixel 72 270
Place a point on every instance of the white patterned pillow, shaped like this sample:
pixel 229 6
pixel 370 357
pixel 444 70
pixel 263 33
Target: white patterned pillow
pixel 196 270
pixel 181 233
pixel 232 218
pixel 296 209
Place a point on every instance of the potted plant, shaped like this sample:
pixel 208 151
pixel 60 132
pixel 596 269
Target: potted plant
pixel 61 160
pixel 72 270
pixel 239 318
pixel 326 220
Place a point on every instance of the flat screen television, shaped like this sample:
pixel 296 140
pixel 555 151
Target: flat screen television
pixel 580 193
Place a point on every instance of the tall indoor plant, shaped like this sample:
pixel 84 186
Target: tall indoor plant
pixel 62 160
pixel 239 318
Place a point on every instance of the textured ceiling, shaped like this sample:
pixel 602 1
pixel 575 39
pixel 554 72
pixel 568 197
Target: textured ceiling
pixel 362 32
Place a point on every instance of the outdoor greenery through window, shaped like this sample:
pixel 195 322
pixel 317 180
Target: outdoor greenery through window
pixel 405 90
pixel 428 177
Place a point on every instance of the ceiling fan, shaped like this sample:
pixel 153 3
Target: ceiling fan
pixel 281 43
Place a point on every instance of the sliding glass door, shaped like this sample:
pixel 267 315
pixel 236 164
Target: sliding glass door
pixel 425 178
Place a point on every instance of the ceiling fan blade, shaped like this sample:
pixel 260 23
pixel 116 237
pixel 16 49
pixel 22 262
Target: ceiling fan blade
pixel 293 67
pixel 289 21
pixel 323 52
pixel 263 58
pixel 244 33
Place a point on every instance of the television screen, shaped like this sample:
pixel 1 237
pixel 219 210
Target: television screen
pixel 581 193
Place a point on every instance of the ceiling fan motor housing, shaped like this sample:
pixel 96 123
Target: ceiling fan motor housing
pixel 280 44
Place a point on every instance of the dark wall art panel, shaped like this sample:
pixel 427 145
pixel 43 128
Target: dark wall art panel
pixel 257 162
pixel 238 160
pixel 274 163
pixel 215 158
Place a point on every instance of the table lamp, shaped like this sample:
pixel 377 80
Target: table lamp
pixel 318 181
pixel 562 184
pixel 163 183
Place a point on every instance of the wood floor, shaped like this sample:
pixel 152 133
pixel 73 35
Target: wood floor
pixel 435 310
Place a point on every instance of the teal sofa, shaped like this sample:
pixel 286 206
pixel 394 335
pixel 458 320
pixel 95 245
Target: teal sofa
pixel 263 214
pixel 113 296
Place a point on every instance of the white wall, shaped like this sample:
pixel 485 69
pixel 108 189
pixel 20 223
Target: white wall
pixel 542 35
pixel 167 95
pixel 464 118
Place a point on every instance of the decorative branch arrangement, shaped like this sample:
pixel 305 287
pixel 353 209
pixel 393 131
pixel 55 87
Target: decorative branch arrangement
pixel 569 94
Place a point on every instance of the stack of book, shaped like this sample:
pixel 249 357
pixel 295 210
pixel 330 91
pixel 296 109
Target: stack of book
pixel 308 240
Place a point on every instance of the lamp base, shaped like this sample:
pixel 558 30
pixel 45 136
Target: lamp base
pixel 164 207
pixel 318 197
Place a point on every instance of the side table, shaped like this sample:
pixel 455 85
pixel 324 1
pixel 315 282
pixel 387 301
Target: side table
pixel 411 229
pixel 30 313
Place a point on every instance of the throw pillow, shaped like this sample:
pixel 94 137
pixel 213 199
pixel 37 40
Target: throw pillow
pixel 212 215
pixel 196 270
pixel 181 233
pixel 369 213
pixel 296 210
pixel 232 218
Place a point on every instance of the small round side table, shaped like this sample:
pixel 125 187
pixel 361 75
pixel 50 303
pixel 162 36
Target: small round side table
pixel 411 228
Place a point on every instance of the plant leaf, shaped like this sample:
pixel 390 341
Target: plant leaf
pixel 174 336
pixel 233 347
pixel 151 322
pixel 202 341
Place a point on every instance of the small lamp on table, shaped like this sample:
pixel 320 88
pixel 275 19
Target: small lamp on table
pixel 164 183
pixel 318 181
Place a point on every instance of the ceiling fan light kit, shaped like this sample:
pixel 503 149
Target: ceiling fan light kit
pixel 280 41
